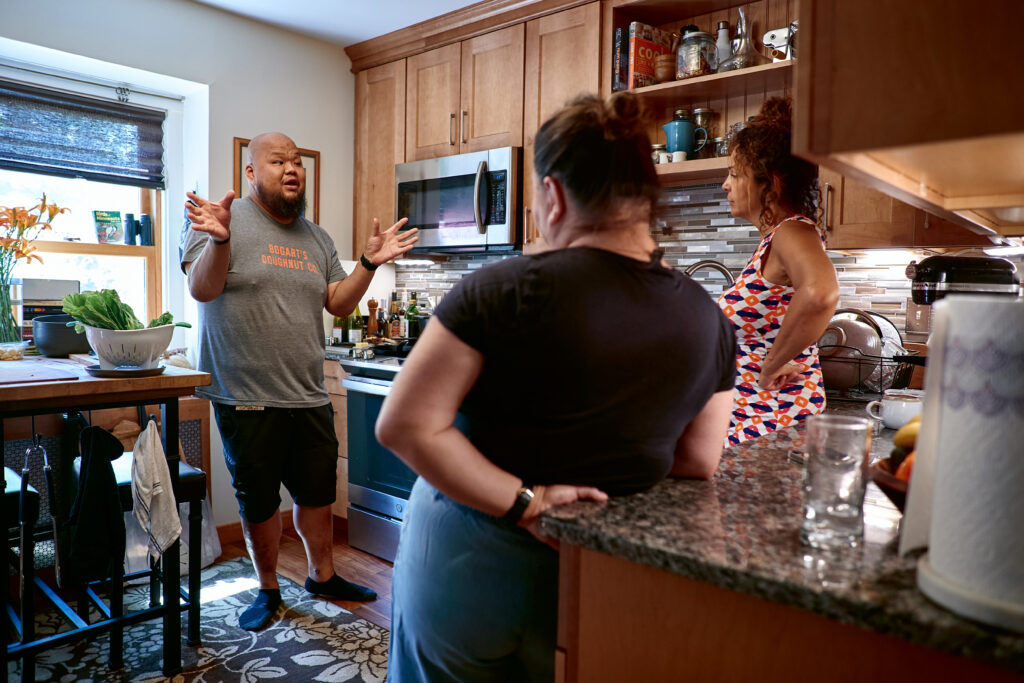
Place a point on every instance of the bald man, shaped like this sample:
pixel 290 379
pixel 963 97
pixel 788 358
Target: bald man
pixel 262 275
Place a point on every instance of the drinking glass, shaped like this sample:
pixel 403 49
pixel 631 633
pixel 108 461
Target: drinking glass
pixel 834 480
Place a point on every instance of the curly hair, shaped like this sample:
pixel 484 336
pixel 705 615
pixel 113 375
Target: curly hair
pixel 600 150
pixel 763 146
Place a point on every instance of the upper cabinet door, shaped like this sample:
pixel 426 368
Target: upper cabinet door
pixel 860 217
pixel 563 60
pixel 380 144
pixel 492 91
pixel 432 103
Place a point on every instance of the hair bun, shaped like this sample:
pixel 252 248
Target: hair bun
pixel 624 116
pixel 777 111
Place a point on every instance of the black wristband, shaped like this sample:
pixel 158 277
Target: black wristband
pixel 367 263
pixel 523 497
pixel 217 241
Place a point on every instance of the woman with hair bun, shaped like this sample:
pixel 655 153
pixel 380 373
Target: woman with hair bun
pixel 787 293
pixel 585 371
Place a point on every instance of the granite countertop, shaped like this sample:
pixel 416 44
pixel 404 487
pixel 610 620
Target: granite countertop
pixel 740 531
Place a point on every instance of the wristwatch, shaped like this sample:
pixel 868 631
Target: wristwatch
pixel 523 497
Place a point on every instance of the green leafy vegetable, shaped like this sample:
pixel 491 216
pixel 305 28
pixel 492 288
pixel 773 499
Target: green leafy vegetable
pixel 104 309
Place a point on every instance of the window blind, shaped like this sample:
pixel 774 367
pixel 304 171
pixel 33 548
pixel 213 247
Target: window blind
pixel 57 133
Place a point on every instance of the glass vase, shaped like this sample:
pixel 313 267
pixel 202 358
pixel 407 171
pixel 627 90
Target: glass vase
pixel 10 310
pixel 746 54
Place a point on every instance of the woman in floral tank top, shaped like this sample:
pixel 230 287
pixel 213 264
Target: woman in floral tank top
pixel 787 293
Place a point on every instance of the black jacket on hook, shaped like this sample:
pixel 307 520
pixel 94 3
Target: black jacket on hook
pixel 96 520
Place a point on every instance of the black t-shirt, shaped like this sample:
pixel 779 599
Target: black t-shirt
pixel 594 364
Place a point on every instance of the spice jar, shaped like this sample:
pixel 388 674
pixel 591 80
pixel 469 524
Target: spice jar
pixel 697 55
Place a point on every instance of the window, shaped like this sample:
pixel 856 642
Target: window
pixel 87 153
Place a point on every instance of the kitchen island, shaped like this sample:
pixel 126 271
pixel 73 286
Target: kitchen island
pixel 708 580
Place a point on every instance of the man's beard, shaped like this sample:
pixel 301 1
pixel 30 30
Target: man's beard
pixel 281 206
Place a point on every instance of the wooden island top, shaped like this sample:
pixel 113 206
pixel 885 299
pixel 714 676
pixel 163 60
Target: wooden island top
pixel 54 383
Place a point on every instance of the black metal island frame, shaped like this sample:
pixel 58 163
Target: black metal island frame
pixel 82 392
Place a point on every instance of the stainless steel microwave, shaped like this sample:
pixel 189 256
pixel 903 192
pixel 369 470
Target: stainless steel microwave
pixel 465 202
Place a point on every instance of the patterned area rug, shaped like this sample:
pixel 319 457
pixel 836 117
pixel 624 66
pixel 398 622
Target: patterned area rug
pixel 310 640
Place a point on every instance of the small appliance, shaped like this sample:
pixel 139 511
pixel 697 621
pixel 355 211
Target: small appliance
pixel 463 203
pixel 936 276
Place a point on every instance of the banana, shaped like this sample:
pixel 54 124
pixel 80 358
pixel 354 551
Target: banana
pixel 906 436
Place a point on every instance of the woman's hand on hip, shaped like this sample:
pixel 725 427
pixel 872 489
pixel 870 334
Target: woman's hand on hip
pixel 545 497
pixel 790 373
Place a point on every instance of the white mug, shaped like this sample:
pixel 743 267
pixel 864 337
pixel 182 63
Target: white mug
pixel 896 407
pixel 678 156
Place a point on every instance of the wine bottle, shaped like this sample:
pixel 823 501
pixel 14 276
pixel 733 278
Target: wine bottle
pixel 338 332
pixel 394 323
pixel 355 326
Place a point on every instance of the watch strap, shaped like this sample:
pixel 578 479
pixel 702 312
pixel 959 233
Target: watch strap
pixel 367 263
pixel 523 497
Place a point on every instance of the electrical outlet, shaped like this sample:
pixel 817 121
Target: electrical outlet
pixel 919 318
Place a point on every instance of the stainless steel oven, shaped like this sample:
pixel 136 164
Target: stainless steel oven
pixel 379 483
pixel 464 202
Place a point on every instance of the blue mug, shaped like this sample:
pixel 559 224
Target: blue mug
pixel 680 136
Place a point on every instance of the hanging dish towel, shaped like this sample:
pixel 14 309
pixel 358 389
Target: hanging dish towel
pixel 154 507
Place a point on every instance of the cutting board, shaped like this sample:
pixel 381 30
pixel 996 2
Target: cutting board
pixel 23 371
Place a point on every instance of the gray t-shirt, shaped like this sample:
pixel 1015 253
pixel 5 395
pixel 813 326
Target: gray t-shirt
pixel 262 338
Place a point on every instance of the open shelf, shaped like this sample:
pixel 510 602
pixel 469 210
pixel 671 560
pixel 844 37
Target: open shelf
pixel 692 172
pixel 755 79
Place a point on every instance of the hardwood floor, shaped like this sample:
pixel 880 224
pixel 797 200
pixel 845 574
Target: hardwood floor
pixel 351 564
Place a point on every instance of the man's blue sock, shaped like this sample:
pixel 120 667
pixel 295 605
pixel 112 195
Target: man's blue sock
pixel 260 612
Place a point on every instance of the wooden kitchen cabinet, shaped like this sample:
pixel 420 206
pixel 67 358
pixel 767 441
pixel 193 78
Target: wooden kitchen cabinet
pixel 734 95
pixel 379 145
pixel 563 53
pixel 466 96
pixel 333 374
pixel 914 118
pixel 856 216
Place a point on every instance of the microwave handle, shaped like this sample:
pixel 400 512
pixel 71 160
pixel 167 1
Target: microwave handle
pixel 477 210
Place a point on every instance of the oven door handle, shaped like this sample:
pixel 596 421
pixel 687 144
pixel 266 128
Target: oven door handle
pixel 477 210
pixel 365 385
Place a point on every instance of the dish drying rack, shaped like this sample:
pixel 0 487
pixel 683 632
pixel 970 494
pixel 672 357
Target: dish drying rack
pixel 878 373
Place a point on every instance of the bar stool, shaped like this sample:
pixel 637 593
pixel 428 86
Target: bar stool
pixel 191 488
pixel 21 502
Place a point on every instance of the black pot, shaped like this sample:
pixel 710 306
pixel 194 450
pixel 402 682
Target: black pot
pixel 54 338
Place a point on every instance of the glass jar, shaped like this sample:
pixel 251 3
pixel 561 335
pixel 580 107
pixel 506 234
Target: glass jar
pixel 657 149
pixel 697 55
pixel 705 118
pixel 720 147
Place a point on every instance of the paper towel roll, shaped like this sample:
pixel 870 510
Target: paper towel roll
pixel 975 561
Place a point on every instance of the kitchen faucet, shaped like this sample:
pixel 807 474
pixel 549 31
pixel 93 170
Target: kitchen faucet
pixel 714 265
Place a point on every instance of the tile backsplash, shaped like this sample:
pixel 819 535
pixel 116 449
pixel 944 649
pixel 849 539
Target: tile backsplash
pixel 693 223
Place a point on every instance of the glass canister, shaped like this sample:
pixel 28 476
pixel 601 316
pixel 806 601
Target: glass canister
pixel 705 118
pixel 657 149
pixel 721 149
pixel 697 55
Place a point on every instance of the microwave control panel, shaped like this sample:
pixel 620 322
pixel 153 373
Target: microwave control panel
pixel 497 189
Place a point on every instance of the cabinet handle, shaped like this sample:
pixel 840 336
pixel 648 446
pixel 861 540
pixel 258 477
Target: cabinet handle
pixel 462 126
pixel 824 208
pixel 451 126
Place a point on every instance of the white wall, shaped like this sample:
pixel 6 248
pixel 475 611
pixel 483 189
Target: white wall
pixel 260 79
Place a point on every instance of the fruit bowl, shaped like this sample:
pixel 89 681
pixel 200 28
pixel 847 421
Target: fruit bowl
pixel 894 489
pixel 134 348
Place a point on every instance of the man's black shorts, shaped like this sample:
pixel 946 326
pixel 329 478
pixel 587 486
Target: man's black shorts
pixel 265 448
